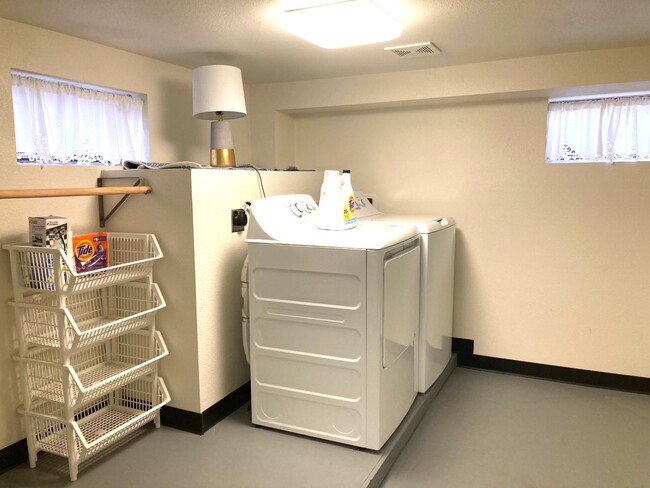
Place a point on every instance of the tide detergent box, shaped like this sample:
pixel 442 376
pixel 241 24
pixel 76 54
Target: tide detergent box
pixel 90 251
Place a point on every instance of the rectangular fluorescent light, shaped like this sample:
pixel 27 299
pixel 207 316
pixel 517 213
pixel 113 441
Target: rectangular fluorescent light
pixel 341 23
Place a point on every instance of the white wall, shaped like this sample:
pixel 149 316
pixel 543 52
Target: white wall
pixel 552 260
pixel 174 135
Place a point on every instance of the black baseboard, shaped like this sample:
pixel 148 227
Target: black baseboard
pixel 464 348
pixel 13 455
pixel 200 423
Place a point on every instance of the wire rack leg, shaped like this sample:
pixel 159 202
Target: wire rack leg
pixel 31 443
pixel 73 458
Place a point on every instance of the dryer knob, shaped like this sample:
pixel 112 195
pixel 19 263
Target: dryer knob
pixel 297 211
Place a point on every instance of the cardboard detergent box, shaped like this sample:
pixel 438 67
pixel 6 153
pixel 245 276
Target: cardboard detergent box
pixel 90 251
pixel 50 231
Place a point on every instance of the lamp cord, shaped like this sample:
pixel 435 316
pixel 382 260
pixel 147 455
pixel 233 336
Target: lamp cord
pixel 259 177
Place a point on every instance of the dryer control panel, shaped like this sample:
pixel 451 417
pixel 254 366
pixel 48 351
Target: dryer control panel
pixel 302 208
pixel 282 215
pixel 365 208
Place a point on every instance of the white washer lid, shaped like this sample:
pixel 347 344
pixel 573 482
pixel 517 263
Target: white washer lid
pixel 293 219
pixel 425 224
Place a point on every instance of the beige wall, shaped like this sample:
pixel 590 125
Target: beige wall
pixel 552 260
pixel 174 135
pixel 564 74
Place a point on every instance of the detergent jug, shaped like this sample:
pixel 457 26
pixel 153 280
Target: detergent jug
pixel 336 206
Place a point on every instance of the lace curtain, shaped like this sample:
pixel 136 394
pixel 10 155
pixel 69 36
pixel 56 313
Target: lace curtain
pixel 61 123
pixel 608 130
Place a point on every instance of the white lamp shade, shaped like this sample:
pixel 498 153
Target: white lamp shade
pixel 218 88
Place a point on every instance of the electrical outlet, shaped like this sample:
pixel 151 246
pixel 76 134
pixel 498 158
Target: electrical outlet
pixel 238 219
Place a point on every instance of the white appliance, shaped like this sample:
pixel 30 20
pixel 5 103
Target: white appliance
pixel 189 211
pixel 437 253
pixel 333 319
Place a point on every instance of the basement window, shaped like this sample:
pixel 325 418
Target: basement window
pixel 611 129
pixel 59 122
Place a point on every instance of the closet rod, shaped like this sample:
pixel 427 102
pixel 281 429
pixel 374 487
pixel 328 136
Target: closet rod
pixel 74 192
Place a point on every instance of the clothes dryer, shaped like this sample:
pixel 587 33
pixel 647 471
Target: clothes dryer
pixel 333 319
pixel 437 257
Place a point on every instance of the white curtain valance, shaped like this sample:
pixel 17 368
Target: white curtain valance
pixel 61 123
pixel 608 130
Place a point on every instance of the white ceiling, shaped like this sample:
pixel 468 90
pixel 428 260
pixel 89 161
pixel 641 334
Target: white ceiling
pixel 245 33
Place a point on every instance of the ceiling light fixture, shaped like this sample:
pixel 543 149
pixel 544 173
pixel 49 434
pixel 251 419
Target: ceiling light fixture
pixel 341 23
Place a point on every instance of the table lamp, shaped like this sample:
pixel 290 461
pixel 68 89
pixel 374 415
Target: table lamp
pixel 218 95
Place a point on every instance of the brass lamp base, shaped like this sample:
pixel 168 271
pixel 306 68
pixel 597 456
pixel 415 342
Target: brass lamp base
pixel 222 158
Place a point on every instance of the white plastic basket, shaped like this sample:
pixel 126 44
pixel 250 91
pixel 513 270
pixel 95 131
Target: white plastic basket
pixel 98 424
pixel 89 317
pixel 92 372
pixel 130 256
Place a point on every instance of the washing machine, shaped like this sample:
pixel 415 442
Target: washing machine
pixel 333 317
pixel 437 257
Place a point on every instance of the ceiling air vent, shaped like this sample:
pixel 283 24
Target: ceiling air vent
pixel 414 50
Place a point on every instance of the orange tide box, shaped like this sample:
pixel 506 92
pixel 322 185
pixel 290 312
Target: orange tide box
pixel 90 251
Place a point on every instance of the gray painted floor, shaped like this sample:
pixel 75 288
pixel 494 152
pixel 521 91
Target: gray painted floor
pixel 482 430
pixel 495 430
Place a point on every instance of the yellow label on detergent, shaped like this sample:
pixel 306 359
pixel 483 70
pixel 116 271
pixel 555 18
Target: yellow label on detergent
pixel 349 215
